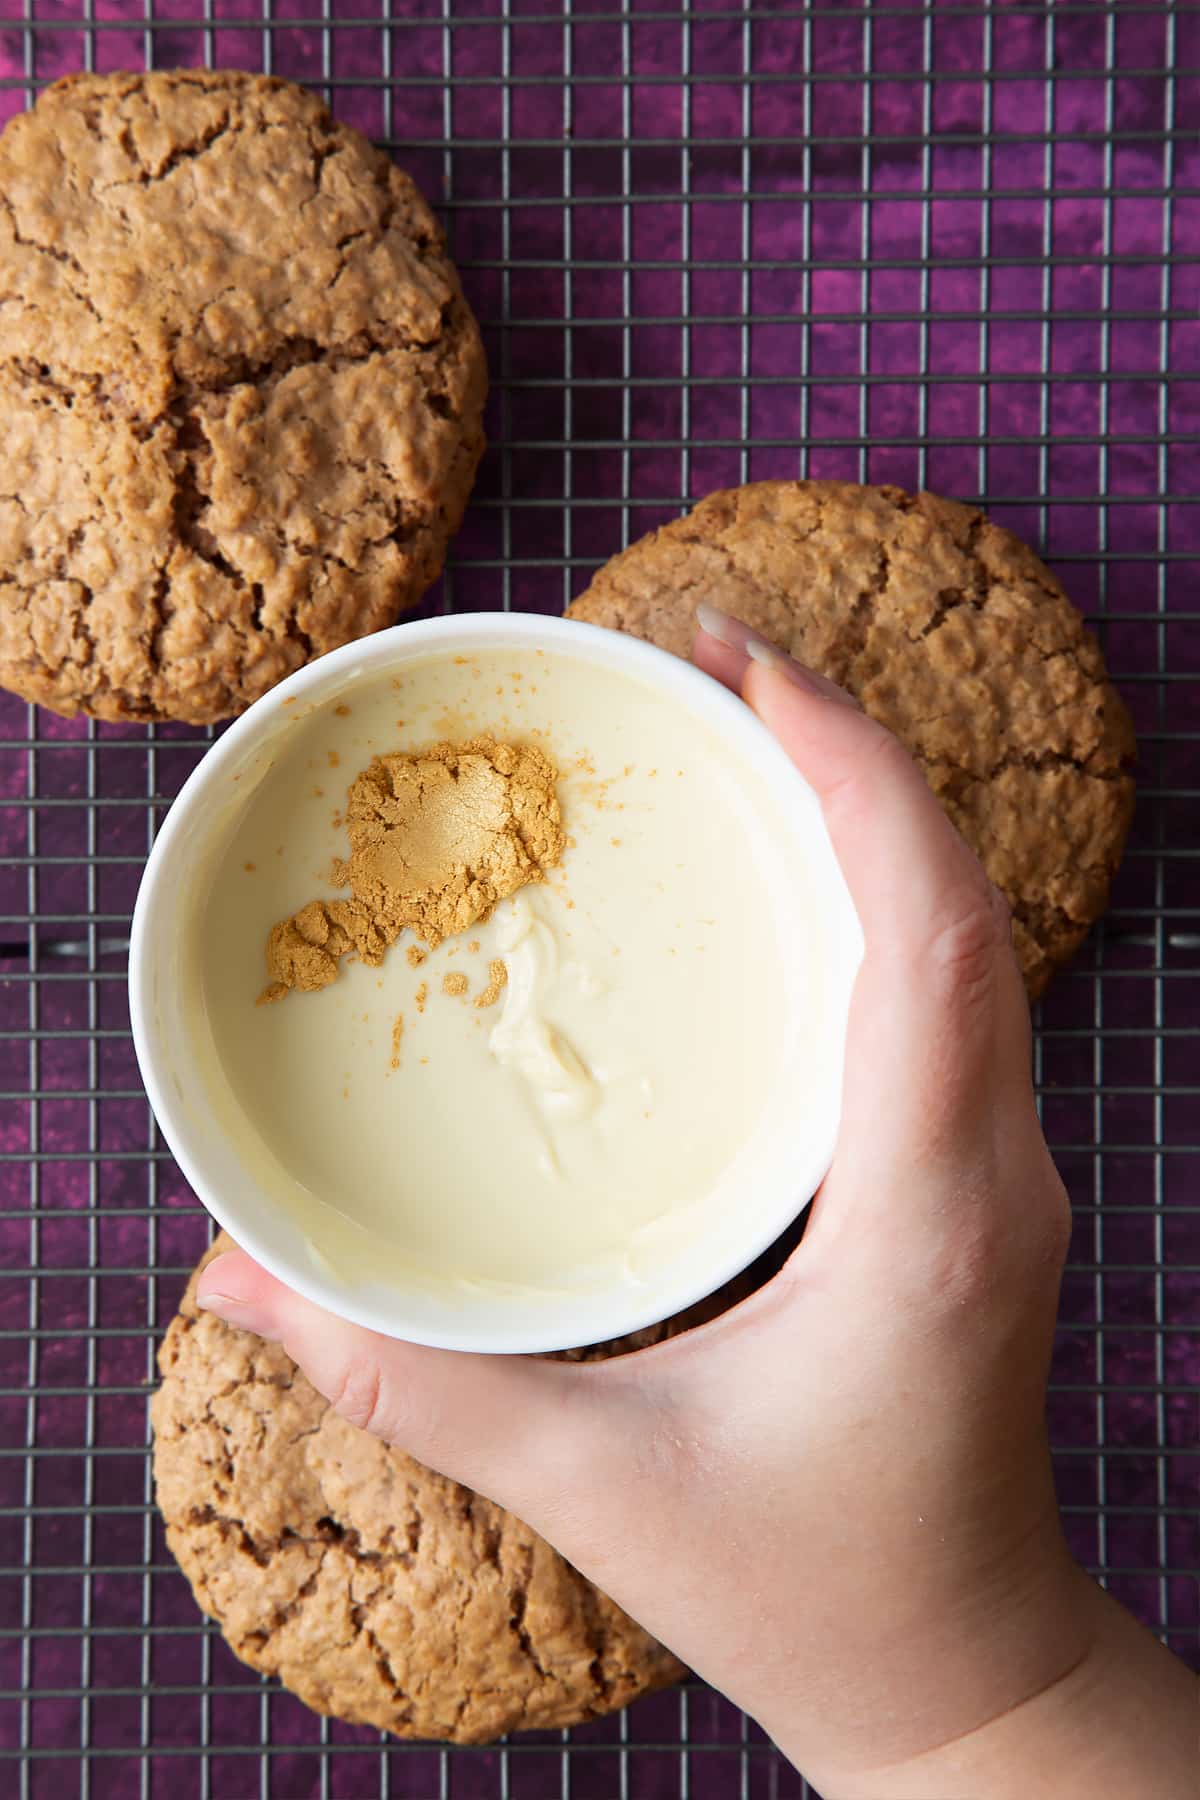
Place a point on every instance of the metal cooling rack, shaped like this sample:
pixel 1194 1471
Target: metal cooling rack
pixel 944 244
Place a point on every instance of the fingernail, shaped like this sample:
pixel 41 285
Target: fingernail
pixel 722 626
pixel 736 636
pixel 768 657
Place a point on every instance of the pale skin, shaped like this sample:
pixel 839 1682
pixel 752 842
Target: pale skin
pixel 835 1502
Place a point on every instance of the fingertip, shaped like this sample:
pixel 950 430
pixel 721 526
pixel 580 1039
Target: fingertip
pixel 798 677
pixel 718 659
pixel 729 649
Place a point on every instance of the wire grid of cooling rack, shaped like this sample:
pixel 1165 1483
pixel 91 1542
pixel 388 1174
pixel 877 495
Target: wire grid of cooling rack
pixel 944 244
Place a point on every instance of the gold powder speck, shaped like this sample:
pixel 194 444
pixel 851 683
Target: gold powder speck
pixel 497 982
pixel 415 956
pixel 473 947
pixel 342 710
pixel 397 1034
pixel 421 996
pixel 454 982
pixel 249 867
pixel 318 793
pixel 615 842
pixel 333 758
pixel 437 839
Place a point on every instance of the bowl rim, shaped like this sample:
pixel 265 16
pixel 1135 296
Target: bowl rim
pixel 620 651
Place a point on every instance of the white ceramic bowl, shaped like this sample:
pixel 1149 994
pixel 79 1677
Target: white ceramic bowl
pixel 177 1057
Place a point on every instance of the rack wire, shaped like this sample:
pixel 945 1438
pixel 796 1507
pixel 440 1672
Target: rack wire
pixel 954 245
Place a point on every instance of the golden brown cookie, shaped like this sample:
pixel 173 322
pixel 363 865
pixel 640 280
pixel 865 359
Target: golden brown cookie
pixel 377 1591
pixel 953 634
pixel 241 392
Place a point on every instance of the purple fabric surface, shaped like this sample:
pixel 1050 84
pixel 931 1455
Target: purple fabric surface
pixel 706 246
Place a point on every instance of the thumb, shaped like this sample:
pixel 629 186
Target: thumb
pixel 519 1429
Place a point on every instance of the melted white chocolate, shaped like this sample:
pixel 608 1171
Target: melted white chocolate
pixel 524 1039
pixel 664 987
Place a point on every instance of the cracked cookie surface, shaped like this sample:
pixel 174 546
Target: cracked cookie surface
pixel 241 389
pixel 947 629
pixel 377 1591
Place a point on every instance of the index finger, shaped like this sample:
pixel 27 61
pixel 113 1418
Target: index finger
pixel 939 1023
pixel 909 872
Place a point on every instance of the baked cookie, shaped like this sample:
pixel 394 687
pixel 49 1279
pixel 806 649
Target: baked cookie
pixel 377 1591
pixel 241 393
pixel 953 634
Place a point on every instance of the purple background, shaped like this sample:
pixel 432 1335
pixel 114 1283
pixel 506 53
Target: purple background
pixel 706 246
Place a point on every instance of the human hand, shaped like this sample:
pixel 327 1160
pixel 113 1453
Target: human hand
pixel 834 1501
